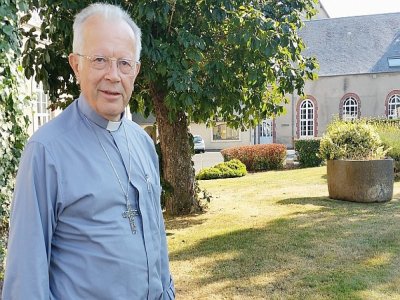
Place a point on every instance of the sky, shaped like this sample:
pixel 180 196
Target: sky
pixel 344 8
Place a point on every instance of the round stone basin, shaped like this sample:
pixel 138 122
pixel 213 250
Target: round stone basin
pixel 361 180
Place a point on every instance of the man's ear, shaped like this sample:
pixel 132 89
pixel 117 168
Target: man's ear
pixel 74 63
pixel 137 70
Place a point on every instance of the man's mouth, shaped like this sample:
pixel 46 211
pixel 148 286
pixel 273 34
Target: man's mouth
pixel 111 93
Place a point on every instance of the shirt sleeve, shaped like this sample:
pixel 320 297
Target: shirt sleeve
pixel 32 221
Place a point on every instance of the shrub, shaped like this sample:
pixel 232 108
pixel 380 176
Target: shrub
pixel 377 121
pixel 351 140
pixel 209 173
pixel 258 157
pixel 307 152
pixel 389 133
pixel 229 169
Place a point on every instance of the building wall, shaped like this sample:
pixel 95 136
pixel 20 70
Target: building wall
pixel 371 89
pixel 245 137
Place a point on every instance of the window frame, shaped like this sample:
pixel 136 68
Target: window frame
pixel 227 128
pixel 342 106
pixel 396 109
pixel 41 113
pixel 352 107
pixel 308 121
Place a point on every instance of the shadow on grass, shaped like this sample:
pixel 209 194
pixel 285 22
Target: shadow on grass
pixel 174 223
pixel 352 207
pixel 334 252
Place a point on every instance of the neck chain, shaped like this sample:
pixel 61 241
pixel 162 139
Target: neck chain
pixel 129 213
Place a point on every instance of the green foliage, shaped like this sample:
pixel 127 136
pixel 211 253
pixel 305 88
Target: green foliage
pixel 379 121
pixel 201 60
pixel 351 140
pixel 389 132
pixel 390 136
pixel 228 169
pixel 258 157
pixel 230 59
pixel 307 152
pixel 12 121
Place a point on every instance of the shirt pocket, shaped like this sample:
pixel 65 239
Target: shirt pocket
pixel 154 194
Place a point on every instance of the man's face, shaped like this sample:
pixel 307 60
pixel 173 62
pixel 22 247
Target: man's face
pixel 107 91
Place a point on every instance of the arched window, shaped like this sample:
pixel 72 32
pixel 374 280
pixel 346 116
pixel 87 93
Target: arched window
pixel 394 107
pixel 350 109
pixel 307 118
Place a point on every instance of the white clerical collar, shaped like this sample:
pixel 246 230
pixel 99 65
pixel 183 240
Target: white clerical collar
pixel 94 117
pixel 113 126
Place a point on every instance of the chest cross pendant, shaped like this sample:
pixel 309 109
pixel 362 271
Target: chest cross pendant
pixel 130 214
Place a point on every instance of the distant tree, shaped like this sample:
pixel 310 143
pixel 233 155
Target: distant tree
pixel 12 121
pixel 202 60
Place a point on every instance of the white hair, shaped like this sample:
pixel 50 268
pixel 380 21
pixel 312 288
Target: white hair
pixel 110 12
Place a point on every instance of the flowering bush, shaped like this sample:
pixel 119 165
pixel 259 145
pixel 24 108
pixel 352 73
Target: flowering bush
pixel 258 157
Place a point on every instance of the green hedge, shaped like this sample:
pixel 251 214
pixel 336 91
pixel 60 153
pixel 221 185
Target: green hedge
pixel 258 157
pixel 307 152
pixel 228 169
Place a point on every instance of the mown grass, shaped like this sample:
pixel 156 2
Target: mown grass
pixel 276 235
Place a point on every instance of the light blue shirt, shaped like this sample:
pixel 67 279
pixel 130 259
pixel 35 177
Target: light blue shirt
pixel 68 239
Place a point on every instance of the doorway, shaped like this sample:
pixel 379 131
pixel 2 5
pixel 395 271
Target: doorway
pixel 265 130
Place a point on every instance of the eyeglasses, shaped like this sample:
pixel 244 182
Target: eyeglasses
pixel 125 66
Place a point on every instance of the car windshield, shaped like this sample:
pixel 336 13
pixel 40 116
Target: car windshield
pixel 197 139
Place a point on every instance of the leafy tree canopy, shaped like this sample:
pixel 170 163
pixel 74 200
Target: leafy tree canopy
pixel 211 59
pixel 202 60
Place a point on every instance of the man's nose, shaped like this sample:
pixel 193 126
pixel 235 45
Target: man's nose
pixel 113 72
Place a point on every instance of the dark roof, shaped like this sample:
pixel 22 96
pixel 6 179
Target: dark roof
pixel 353 45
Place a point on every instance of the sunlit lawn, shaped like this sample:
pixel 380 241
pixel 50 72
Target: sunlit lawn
pixel 276 235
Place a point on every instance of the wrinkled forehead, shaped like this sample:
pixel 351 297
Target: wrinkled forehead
pixel 100 30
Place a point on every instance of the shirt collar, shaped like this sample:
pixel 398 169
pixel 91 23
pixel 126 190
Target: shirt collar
pixel 94 117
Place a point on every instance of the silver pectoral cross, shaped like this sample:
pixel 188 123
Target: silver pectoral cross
pixel 130 214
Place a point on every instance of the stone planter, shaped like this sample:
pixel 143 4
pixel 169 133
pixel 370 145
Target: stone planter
pixel 361 180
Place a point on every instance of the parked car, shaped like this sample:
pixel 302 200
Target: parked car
pixel 199 145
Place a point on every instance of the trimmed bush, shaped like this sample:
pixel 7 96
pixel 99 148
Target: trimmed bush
pixel 307 152
pixel 258 157
pixel 228 169
pixel 351 140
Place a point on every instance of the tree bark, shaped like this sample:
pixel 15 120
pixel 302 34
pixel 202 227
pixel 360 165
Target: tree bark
pixel 177 169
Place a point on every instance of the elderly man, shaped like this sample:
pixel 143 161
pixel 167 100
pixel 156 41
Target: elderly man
pixel 86 221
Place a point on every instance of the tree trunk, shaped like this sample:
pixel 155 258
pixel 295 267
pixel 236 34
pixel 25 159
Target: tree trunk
pixel 177 170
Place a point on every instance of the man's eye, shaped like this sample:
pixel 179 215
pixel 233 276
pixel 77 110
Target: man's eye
pixel 99 60
pixel 124 63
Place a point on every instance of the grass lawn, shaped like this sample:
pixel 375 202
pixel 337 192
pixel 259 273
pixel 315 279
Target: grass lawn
pixel 277 235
